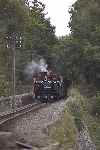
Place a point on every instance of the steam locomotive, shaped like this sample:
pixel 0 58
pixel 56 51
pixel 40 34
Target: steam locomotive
pixel 48 86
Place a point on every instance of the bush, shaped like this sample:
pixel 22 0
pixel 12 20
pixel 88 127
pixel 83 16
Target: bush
pixel 3 87
pixel 96 105
pixel 64 131
pixel 76 106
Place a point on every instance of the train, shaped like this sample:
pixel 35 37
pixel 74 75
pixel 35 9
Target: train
pixel 48 86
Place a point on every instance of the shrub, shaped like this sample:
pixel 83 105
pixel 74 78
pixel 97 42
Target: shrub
pixel 3 87
pixel 96 105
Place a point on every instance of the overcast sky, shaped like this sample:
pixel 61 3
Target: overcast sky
pixel 58 12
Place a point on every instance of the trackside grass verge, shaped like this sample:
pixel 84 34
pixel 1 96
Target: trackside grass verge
pixel 80 106
pixel 64 132
pixel 75 115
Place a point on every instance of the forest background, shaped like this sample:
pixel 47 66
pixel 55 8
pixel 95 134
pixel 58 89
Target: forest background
pixel 75 56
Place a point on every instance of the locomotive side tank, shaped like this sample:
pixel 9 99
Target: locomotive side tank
pixel 47 86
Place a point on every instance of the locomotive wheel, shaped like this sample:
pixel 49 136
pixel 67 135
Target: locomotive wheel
pixel 43 99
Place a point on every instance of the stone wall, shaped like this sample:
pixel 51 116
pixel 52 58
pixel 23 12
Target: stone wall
pixel 6 103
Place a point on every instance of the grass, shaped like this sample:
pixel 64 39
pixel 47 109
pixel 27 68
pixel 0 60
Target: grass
pixel 76 112
pixel 85 106
pixel 64 132
pixel 93 124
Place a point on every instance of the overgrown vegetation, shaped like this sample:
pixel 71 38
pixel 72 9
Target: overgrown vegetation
pixel 64 132
pixel 75 56
pixel 18 17
pixel 76 106
pixel 79 106
pixel 76 118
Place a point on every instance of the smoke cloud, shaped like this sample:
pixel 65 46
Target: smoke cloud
pixel 35 67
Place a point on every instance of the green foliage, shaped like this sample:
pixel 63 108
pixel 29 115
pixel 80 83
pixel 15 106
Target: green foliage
pixel 85 26
pixel 3 87
pixel 83 115
pixel 13 18
pixel 84 21
pixel 38 35
pixel 96 105
pixel 73 56
pixel 77 107
pixel 94 128
pixel 67 55
pixel 40 31
pixel 64 132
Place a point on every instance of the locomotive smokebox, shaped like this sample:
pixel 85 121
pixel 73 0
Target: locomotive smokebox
pixel 43 73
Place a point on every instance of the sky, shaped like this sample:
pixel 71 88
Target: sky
pixel 58 12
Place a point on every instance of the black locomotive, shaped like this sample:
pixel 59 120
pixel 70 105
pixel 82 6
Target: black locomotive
pixel 48 86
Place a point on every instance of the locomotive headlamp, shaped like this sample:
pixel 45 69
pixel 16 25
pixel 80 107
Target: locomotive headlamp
pixel 51 97
pixel 46 96
pixel 38 97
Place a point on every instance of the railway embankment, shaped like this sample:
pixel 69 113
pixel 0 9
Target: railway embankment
pixel 78 107
pixel 33 128
pixel 63 125
pixel 72 131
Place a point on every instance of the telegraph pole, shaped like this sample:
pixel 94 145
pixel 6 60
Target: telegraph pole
pixel 13 40
pixel 14 71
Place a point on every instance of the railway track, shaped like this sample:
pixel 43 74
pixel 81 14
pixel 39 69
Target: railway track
pixel 5 117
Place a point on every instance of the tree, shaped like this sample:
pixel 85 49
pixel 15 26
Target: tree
pixel 85 25
pixel 41 31
pixel 13 19
pixel 36 31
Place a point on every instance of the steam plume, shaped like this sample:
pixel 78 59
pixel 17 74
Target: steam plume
pixel 35 67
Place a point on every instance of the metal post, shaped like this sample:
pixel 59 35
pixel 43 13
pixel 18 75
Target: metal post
pixel 13 39
pixel 14 76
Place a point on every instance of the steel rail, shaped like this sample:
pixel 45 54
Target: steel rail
pixel 5 117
